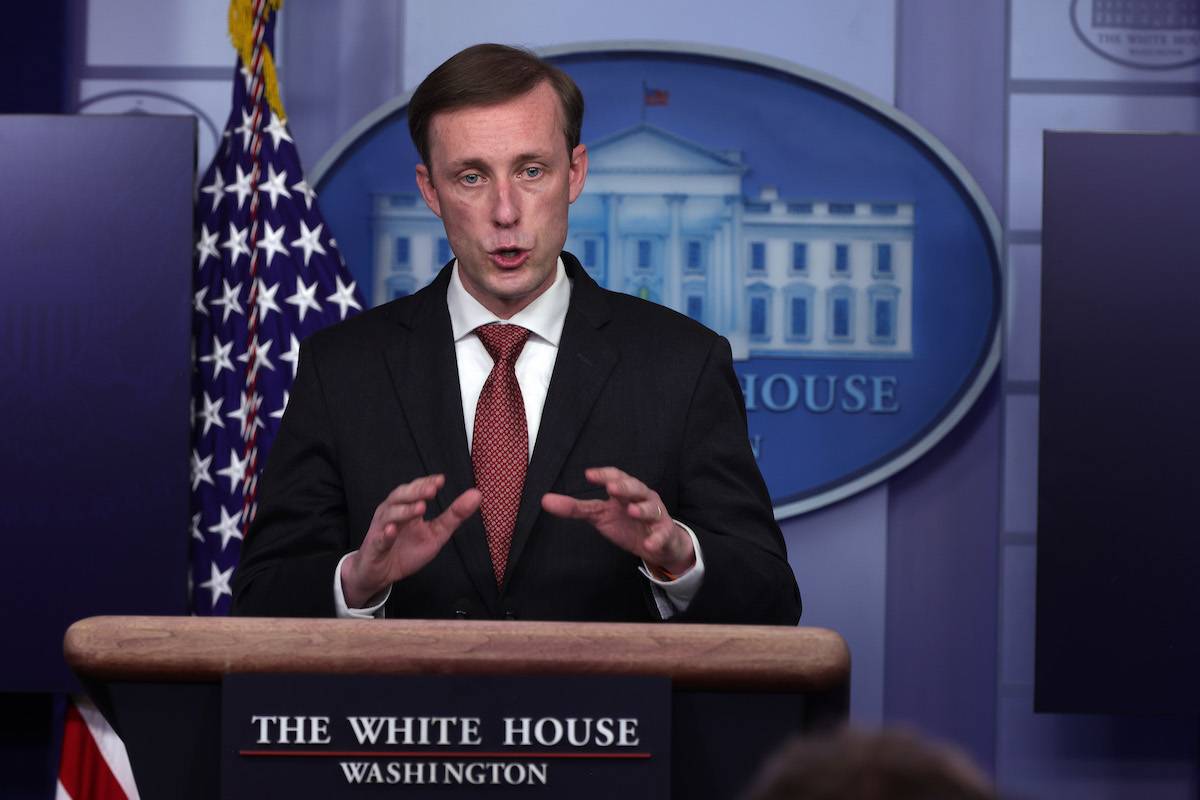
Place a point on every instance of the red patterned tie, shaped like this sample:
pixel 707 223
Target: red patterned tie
pixel 500 443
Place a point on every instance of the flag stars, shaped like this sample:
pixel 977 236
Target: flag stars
pixel 235 472
pixel 236 243
pixel 200 470
pixel 260 356
pixel 277 131
pixel 292 356
pixel 229 301
pixel 265 300
pixel 210 414
pixel 216 189
pixel 344 298
pixel 309 241
pixel 272 241
pixel 241 186
pixel 246 129
pixel 278 413
pixel 218 584
pixel 275 184
pixel 206 246
pixel 306 192
pixel 304 298
pixel 195 528
pixel 228 528
pixel 219 357
pixel 198 303
pixel 243 414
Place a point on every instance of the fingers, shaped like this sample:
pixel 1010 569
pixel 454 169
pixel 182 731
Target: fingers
pixel 561 505
pixel 421 489
pixel 463 506
pixel 620 485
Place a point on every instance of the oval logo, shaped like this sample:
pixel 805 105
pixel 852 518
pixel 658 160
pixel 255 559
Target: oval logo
pixel 849 259
pixel 1145 34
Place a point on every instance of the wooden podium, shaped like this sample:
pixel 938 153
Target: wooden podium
pixel 737 691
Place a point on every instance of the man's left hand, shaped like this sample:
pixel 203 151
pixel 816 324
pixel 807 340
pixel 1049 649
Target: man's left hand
pixel 633 518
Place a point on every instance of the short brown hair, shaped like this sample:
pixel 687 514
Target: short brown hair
pixel 861 765
pixel 486 74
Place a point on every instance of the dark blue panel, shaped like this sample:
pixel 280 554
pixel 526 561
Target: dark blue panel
pixel 1118 555
pixel 95 220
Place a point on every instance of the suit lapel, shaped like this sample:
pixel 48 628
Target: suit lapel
pixel 581 369
pixel 424 372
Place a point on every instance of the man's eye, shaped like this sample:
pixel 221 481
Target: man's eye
pixel 470 179
pixel 533 172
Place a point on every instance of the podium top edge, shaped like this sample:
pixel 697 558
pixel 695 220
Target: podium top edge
pixel 202 649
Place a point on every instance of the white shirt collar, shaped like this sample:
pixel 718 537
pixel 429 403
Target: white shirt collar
pixel 543 317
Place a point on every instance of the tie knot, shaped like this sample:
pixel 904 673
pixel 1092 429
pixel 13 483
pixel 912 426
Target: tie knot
pixel 503 342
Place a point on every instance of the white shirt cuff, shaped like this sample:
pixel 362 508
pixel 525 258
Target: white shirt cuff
pixel 373 611
pixel 673 597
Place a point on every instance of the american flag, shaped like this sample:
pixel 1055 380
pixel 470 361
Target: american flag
pixel 654 97
pixel 267 274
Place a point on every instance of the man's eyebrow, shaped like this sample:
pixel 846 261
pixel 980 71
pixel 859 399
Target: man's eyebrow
pixel 468 163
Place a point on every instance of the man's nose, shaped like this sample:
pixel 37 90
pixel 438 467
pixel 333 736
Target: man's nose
pixel 505 204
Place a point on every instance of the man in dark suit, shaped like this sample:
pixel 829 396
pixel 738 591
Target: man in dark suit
pixel 601 438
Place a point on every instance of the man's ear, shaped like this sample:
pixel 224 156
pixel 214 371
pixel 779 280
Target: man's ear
pixel 425 184
pixel 577 173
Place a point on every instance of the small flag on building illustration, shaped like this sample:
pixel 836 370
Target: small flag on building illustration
pixel 654 97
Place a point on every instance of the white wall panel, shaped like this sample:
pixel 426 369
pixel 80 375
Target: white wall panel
pixel 1017 609
pixel 1020 463
pixel 156 33
pixel 1023 311
pixel 851 39
pixel 839 555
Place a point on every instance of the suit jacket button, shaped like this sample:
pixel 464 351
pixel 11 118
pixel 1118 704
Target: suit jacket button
pixel 510 614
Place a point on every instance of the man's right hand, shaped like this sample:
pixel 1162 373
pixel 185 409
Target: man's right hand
pixel 400 540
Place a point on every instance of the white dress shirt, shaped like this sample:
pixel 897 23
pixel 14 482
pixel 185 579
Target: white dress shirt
pixel 544 319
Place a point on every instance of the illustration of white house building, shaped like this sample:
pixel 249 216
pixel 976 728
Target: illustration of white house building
pixel 666 219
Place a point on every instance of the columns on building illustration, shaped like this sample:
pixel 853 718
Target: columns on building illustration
pixel 612 244
pixel 673 285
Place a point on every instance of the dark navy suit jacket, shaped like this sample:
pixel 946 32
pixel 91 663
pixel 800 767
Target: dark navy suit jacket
pixel 376 403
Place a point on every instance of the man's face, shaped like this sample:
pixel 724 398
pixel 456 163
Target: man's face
pixel 501 180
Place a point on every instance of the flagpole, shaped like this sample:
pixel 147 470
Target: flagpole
pixel 250 452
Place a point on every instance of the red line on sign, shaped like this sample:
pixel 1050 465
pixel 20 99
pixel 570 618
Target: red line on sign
pixel 426 754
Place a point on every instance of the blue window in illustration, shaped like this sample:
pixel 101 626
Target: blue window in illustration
pixel 883 260
pixel 758 256
pixel 884 303
pixel 643 253
pixel 443 251
pixel 800 208
pixel 841 209
pixel 758 317
pixel 695 307
pixel 402 259
pixel 884 209
pixel 799 256
pixel 798 299
pixel 695 256
pixel 841 259
pixel 759 312
pixel 841 314
pixel 589 253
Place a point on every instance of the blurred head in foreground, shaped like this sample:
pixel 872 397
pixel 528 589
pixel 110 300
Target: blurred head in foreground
pixel 857 765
